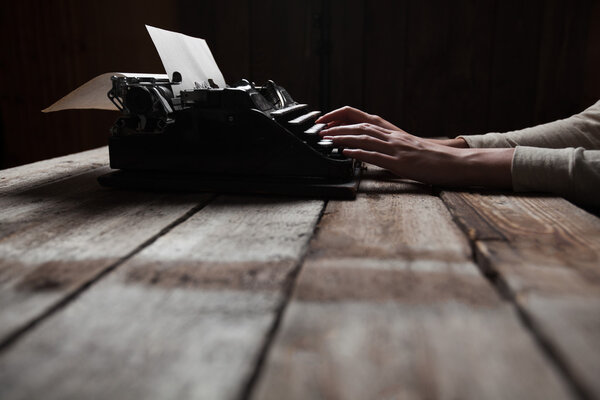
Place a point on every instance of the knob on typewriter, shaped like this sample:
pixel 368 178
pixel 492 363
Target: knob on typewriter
pixel 274 95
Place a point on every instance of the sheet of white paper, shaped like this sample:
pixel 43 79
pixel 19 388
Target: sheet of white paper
pixel 93 94
pixel 187 55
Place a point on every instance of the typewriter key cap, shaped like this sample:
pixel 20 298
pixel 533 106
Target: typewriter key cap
pixel 303 119
pixel 282 112
pixel 315 129
pixel 337 154
pixel 325 145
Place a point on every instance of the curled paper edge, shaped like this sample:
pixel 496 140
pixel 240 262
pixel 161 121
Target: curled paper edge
pixel 93 93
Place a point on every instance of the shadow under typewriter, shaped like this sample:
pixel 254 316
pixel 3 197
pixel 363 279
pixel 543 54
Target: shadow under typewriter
pixel 239 139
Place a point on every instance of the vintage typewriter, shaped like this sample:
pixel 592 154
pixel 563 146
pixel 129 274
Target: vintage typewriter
pixel 238 139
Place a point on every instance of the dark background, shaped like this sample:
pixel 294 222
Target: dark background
pixel 432 67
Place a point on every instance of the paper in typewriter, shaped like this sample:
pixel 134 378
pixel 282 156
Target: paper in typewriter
pixel 187 55
pixel 93 94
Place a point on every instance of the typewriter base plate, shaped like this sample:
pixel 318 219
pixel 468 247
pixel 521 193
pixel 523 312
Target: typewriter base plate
pixel 187 182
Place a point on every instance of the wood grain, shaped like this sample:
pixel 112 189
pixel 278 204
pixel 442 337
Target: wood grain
pixel 43 172
pixel 548 259
pixel 53 242
pixel 561 83
pixel 425 55
pixel 292 59
pixel 184 318
pixel 59 229
pixel 385 49
pixel 346 49
pixel 389 305
pixel 58 47
pixel 469 46
pixel 514 65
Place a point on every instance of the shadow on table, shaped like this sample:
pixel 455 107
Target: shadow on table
pixel 380 181
pixel 16 185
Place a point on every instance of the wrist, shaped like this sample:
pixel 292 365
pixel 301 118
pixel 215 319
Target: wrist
pixel 484 167
pixel 458 143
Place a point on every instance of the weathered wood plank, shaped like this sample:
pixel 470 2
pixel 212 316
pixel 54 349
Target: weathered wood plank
pixel 469 220
pixel 59 229
pixel 347 50
pixel 37 204
pixel 560 81
pixel 514 64
pixel 294 25
pixel 51 248
pixel 25 177
pixel 549 261
pixel 384 56
pixel 184 318
pixel 388 304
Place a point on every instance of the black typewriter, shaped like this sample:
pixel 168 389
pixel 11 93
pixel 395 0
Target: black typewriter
pixel 238 139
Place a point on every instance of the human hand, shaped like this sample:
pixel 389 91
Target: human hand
pixel 348 115
pixel 421 159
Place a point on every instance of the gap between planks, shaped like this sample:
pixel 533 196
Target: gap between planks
pixel 70 297
pixel 271 379
pixel 288 291
pixel 503 289
pixel 544 343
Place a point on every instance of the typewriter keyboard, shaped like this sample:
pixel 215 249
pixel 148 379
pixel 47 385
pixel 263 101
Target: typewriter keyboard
pixel 301 123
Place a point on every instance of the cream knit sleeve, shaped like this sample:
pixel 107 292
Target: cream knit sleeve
pixel 561 157
pixel 579 130
pixel 573 173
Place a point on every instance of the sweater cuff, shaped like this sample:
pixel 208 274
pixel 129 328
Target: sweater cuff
pixel 489 140
pixel 537 169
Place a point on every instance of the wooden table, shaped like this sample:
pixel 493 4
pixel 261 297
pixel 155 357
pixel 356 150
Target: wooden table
pixel 404 293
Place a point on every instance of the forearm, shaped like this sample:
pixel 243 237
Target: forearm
pixel 458 143
pixel 480 167
pixel 483 167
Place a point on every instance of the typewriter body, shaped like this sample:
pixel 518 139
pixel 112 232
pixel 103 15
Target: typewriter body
pixel 242 138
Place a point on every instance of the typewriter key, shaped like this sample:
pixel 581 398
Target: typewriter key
pixel 325 145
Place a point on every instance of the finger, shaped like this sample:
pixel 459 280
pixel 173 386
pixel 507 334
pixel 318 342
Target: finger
pixel 332 124
pixel 359 129
pixel 371 157
pixel 363 142
pixel 345 115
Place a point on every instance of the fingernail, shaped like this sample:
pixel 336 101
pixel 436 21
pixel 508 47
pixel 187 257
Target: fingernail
pixel 328 137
